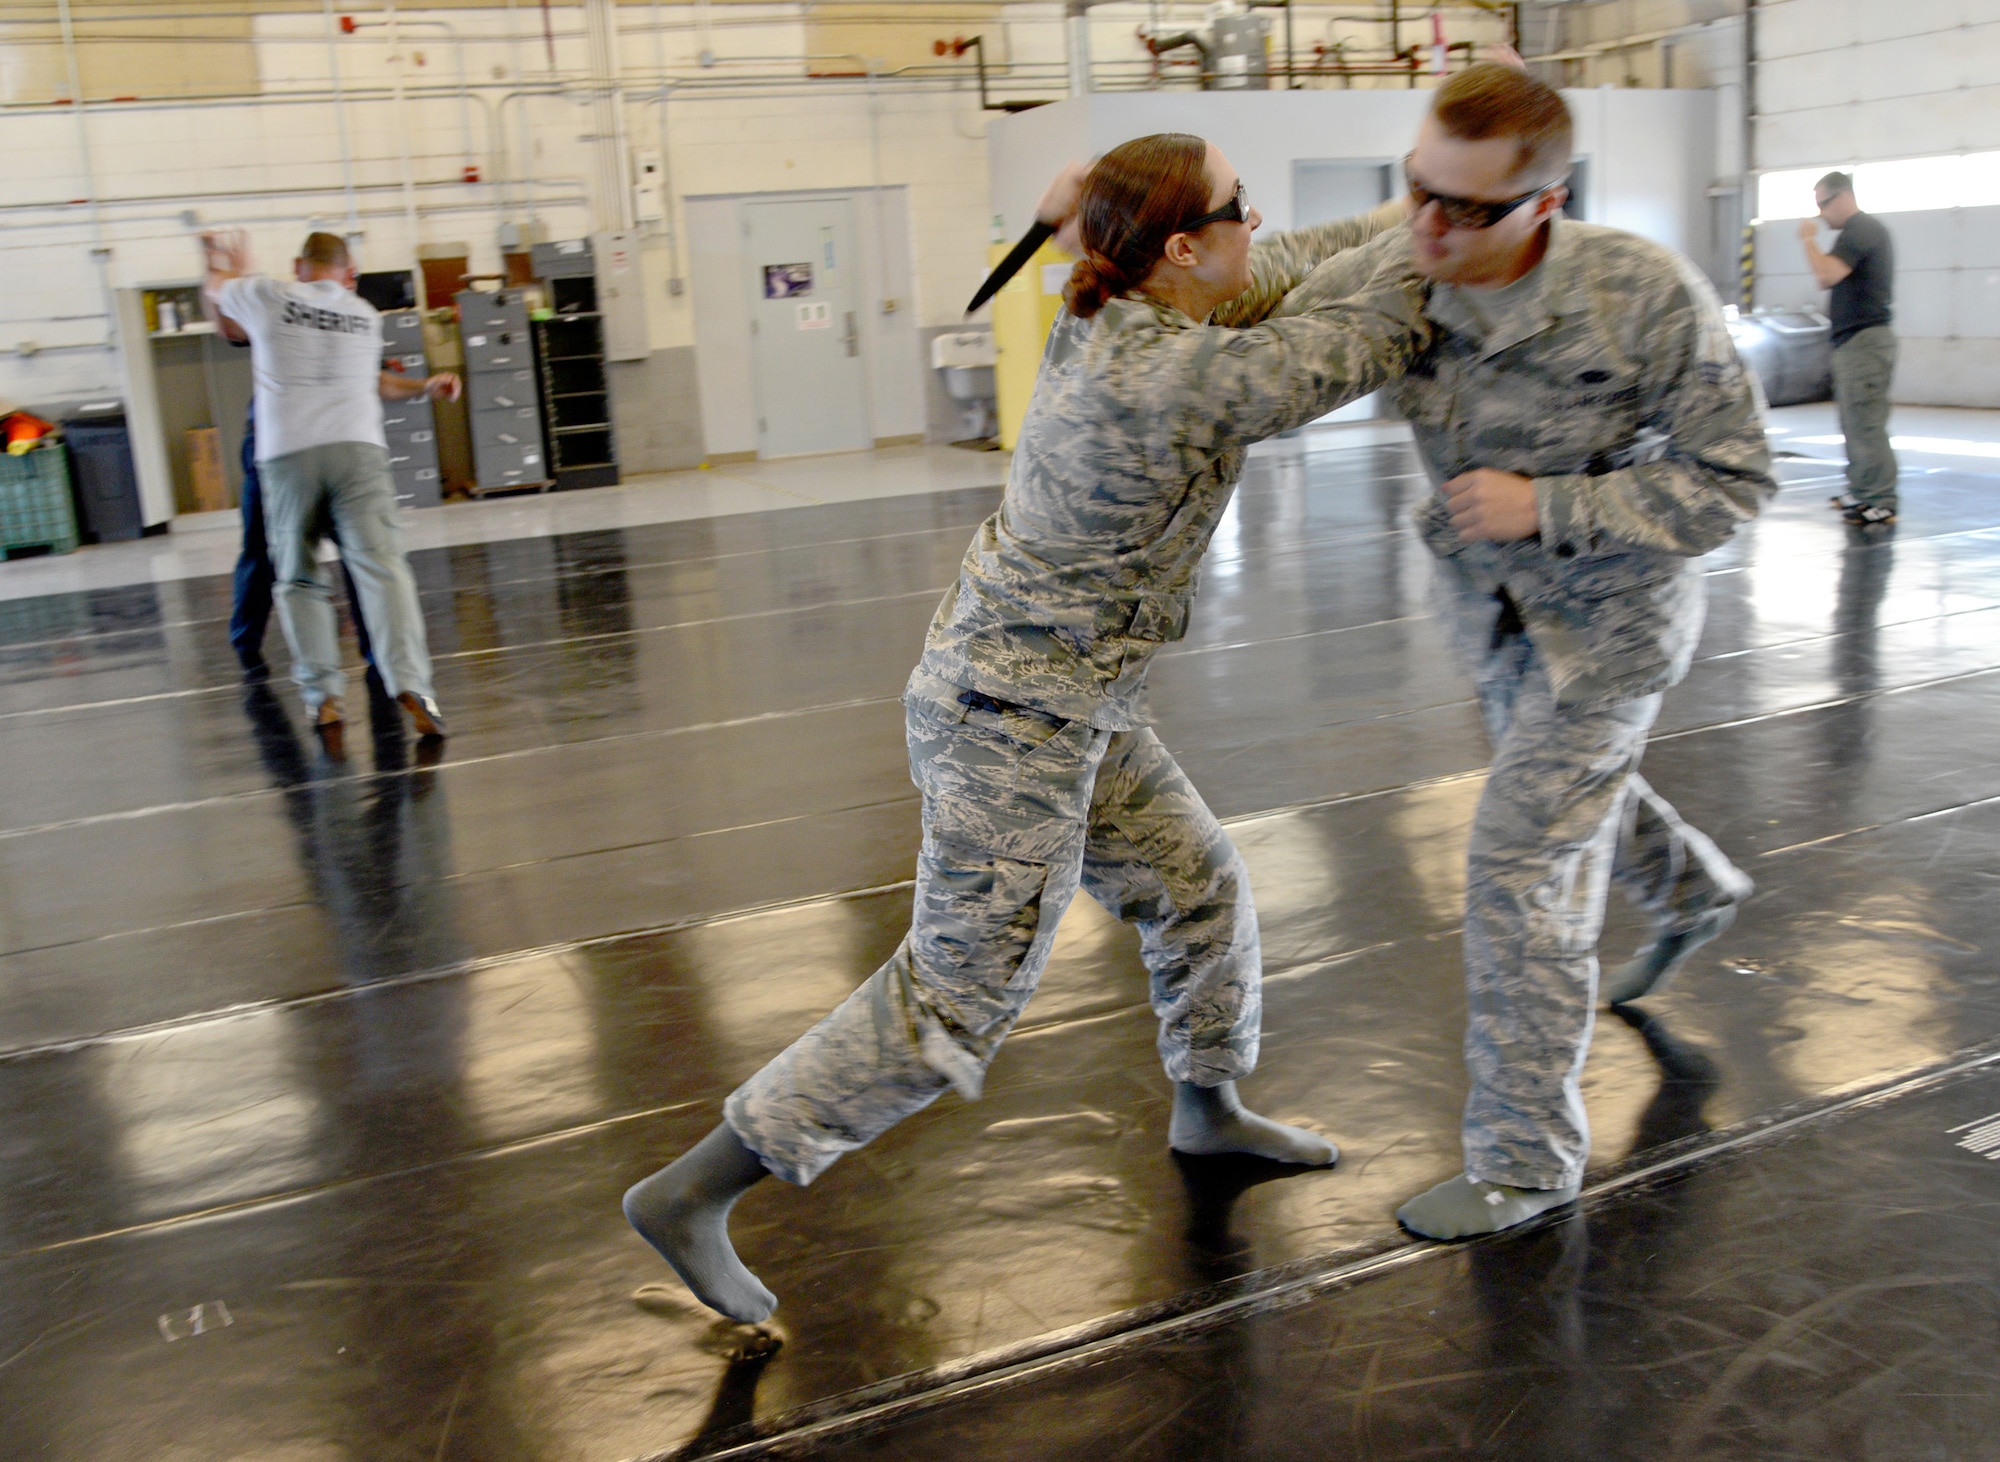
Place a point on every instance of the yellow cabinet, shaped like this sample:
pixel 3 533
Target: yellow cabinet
pixel 1023 311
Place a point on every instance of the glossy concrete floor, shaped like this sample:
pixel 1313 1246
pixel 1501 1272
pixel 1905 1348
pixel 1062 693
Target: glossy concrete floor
pixel 320 1082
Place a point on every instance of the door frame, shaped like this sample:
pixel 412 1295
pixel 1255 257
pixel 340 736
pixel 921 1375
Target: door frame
pixel 890 346
pixel 858 297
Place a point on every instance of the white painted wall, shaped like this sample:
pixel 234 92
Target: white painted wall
pixel 1652 153
pixel 729 129
pixel 1850 81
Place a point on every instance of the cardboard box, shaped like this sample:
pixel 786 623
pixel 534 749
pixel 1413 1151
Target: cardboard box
pixel 205 470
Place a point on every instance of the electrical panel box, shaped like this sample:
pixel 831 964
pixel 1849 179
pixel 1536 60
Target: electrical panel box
pixel 621 295
pixel 649 185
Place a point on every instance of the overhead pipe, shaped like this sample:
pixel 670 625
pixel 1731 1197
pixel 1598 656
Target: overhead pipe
pixel 403 130
pixel 659 99
pixel 100 246
pixel 527 139
pixel 958 46
pixel 1286 6
pixel 223 195
pixel 607 111
pixel 339 109
pixel 82 114
pixel 349 24
pixel 1076 45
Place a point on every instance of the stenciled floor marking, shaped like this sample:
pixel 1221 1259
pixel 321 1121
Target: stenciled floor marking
pixel 1981 1136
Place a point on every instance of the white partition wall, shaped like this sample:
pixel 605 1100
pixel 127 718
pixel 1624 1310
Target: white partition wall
pixel 1651 154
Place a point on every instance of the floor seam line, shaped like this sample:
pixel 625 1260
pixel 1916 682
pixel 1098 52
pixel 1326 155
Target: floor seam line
pixel 1077 1346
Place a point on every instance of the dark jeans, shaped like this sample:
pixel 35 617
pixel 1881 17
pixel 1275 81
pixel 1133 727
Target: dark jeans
pixel 251 614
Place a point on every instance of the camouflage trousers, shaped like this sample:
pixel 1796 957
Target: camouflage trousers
pixel 1564 815
pixel 1019 809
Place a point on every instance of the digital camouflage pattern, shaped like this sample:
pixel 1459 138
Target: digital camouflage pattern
pixel 1019 809
pixel 1610 380
pixel 1563 815
pixel 1024 727
pixel 1607 375
pixel 1133 442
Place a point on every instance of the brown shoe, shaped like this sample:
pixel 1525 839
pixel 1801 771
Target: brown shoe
pixel 424 715
pixel 329 723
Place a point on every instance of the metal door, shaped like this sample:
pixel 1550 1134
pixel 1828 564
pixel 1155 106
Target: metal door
pixel 805 327
pixel 1326 189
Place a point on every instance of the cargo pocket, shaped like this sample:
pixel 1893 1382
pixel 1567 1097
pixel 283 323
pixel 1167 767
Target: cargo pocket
pixel 976 919
pixel 1159 618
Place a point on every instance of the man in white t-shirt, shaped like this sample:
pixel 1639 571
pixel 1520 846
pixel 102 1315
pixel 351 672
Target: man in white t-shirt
pixel 316 357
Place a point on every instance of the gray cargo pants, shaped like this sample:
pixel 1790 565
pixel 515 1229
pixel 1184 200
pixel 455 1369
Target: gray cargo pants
pixel 1863 366
pixel 1564 814
pixel 1019 808
pixel 347 483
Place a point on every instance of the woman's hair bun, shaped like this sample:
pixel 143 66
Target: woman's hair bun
pixel 1133 200
pixel 1088 288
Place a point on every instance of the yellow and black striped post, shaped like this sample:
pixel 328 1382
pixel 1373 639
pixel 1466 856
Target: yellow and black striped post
pixel 1749 285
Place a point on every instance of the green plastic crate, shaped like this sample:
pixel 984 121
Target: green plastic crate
pixel 35 506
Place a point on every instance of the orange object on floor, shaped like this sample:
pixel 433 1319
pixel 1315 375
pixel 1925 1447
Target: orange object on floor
pixel 23 432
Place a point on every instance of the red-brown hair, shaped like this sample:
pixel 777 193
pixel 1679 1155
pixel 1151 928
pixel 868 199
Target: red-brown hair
pixel 1136 197
pixel 1491 100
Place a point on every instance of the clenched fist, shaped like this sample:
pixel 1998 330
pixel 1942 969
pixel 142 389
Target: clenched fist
pixel 1489 506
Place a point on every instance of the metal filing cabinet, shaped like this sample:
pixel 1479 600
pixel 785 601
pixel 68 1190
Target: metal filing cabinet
pixel 410 426
pixel 569 350
pixel 500 383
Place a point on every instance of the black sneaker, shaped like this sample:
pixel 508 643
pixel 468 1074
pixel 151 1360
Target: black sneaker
pixel 1869 515
pixel 1845 501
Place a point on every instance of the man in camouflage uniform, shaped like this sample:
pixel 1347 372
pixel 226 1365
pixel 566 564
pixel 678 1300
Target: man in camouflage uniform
pixel 1591 432
pixel 1028 732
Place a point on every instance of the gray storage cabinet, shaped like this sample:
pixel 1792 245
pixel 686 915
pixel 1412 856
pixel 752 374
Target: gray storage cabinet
pixel 500 382
pixel 410 426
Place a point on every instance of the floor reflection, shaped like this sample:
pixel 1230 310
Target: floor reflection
pixel 377 849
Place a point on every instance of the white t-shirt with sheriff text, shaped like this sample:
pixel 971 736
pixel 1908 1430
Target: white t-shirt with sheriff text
pixel 316 358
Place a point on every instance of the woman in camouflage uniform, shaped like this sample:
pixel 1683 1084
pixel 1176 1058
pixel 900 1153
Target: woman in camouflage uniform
pixel 1027 731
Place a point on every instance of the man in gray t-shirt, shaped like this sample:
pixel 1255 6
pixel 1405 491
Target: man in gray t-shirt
pixel 1860 271
pixel 316 355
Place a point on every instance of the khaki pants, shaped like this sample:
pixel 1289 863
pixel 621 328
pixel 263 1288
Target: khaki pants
pixel 347 484
pixel 1862 368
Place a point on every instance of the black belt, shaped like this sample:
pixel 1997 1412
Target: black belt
pixel 1508 625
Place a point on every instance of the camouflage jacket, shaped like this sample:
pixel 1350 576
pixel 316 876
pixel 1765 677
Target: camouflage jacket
pixel 1615 386
pixel 1133 442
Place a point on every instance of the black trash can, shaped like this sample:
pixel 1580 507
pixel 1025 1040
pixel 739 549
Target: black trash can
pixel 107 485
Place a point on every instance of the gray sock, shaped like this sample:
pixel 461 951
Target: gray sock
pixel 683 1212
pixel 1209 1121
pixel 1653 968
pixel 1461 1207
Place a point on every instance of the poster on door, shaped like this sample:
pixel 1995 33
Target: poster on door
pixel 787 281
pixel 815 316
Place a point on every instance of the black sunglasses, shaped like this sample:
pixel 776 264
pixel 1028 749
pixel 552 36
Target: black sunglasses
pixel 1236 210
pixel 1468 212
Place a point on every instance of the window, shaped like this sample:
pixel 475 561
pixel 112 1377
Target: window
pixel 1969 180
